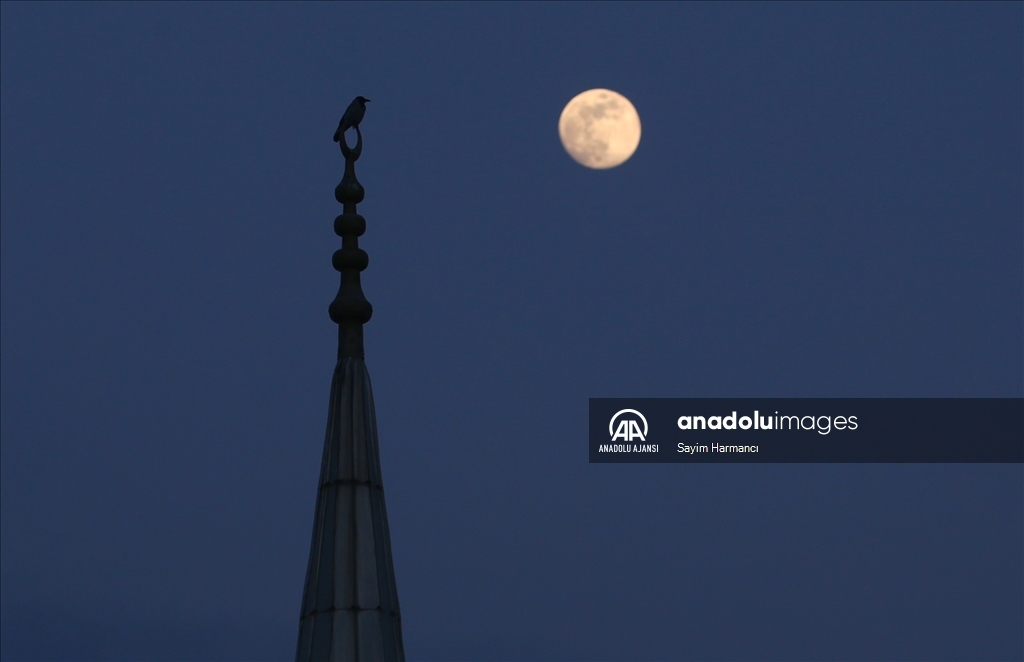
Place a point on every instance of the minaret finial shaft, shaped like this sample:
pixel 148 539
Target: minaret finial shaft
pixel 350 309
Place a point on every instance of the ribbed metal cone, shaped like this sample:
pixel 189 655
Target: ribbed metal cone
pixel 350 604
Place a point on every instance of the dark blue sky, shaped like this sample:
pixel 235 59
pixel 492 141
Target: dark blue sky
pixel 826 202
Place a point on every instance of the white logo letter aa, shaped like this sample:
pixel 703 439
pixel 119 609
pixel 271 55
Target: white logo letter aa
pixel 627 430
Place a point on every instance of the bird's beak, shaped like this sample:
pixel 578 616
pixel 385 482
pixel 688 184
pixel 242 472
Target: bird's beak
pixel 365 100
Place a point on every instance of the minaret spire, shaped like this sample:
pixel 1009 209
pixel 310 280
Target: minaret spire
pixel 350 603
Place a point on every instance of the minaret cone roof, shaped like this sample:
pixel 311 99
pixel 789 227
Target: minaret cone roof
pixel 350 606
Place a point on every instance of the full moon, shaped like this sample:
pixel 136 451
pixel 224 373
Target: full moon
pixel 599 128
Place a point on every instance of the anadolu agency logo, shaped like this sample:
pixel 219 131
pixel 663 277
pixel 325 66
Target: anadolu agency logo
pixel 625 427
pixel 628 429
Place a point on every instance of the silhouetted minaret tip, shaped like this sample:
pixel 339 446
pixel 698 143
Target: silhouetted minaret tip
pixel 350 603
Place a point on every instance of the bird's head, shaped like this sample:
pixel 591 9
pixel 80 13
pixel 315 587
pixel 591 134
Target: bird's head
pixel 362 99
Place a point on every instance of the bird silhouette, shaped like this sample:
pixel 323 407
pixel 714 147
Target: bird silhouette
pixel 352 117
